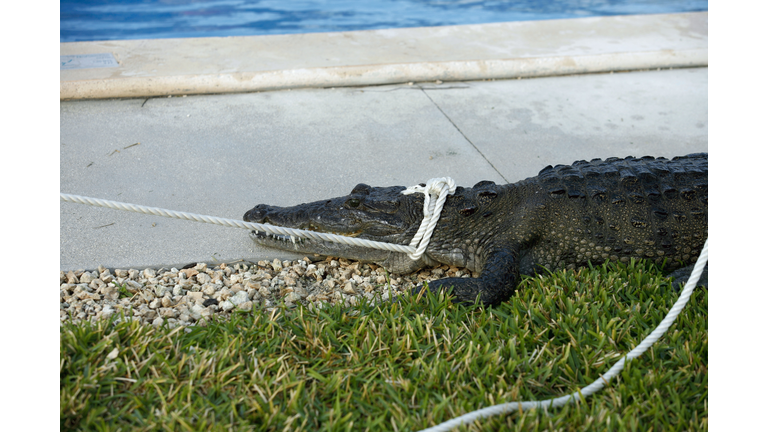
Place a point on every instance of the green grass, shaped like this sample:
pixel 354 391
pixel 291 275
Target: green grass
pixel 402 366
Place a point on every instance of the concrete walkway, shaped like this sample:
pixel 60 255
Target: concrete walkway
pixel 222 154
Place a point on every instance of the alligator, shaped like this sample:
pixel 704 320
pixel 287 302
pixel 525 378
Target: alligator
pixel 565 217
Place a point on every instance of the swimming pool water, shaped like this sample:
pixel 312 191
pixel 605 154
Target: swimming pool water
pixel 83 20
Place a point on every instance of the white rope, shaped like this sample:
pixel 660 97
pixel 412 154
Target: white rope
pixel 272 229
pixel 603 380
pixel 435 192
pixel 438 188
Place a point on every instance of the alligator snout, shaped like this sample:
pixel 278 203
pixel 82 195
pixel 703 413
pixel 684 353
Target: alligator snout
pixel 284 216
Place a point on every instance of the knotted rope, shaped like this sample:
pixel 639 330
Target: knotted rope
pixel 435 192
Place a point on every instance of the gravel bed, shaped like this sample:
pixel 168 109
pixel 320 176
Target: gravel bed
pixel 195 293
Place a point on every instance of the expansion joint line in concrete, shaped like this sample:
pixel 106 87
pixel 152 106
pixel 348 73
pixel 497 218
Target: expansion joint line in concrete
pixel 423 90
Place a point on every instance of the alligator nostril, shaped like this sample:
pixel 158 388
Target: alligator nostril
pixel 362 188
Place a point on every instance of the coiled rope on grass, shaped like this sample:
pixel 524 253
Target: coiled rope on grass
pixel 603 380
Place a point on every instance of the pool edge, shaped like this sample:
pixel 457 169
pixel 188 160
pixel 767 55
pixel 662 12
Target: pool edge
pixel 150 68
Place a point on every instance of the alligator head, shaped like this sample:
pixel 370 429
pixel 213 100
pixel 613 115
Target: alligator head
pixel 374 213
pixel 467 234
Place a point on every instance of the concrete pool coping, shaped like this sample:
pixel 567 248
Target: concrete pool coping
pixel 160 67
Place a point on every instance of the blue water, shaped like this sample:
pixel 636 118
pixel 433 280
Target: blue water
pixel 144 19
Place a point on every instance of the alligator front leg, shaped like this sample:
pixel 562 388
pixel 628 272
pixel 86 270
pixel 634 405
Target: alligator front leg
pixel 496 283
pixel 681 276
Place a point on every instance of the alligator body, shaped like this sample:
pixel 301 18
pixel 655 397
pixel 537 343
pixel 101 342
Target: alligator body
pixel 565 217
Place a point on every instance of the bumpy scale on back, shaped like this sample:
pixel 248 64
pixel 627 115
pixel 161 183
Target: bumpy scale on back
pixel 613 209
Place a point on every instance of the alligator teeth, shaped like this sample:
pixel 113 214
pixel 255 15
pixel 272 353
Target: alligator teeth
pixel 278 237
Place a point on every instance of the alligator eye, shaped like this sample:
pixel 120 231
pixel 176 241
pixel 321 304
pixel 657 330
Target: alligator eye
pixel 353 202
pixel 467 211
pixel 485 197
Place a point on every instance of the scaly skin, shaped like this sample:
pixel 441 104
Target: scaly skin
pixel 565 217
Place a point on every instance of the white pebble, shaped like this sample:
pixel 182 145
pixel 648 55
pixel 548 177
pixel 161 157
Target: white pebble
pixel 86 277
pixel 277 265
pixel 226 306
pixel 106 276
pixel 239 297
pixel 197 311
pixel 349 289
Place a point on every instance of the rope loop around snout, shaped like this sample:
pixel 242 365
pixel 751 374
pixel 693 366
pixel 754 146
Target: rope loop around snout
pixel 435 192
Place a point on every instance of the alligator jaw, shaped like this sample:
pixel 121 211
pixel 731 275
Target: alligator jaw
pixel 303 245
pixel 282 241
pixel 319 247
